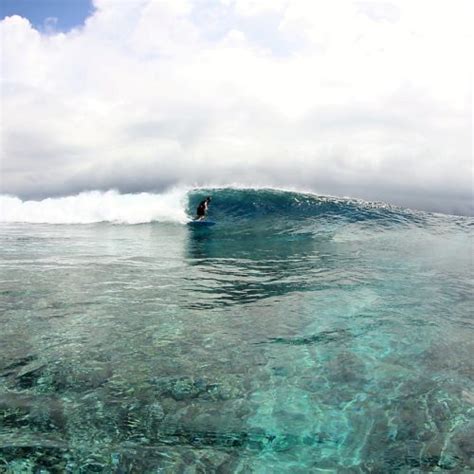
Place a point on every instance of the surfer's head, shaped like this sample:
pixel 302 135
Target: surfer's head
pixel 208 199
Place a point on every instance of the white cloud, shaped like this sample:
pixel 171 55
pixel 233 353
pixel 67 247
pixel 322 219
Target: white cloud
pixel 256 7
pixel 367 98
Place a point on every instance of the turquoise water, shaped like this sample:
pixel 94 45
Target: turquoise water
pixel 299 334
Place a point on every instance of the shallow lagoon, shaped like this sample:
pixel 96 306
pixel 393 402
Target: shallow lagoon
pixel 298 334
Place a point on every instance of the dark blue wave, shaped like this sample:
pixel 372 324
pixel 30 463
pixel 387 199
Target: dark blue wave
pixel 240 206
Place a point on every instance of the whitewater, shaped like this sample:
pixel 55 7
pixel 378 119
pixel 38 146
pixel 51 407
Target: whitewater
pixel 301 333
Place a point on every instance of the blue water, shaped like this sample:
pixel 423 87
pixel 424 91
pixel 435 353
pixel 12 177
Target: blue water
pixel 298 334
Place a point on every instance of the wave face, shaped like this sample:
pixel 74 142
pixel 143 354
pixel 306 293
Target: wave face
pixel 289 208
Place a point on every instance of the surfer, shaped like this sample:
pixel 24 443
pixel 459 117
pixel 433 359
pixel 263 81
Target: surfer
pixel 201 211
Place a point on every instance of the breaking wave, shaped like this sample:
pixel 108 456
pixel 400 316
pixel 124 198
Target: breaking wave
pixel 237 205
pixel 97 206
pixel 231 205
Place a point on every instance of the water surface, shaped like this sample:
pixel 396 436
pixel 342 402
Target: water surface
pixel 298 334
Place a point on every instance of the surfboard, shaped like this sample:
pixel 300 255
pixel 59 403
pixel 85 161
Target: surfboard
pixel 201 223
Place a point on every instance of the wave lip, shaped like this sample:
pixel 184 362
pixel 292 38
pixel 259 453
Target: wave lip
pixel 97 206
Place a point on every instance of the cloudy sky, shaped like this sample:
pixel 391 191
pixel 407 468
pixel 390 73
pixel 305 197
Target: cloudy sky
pixel 369 99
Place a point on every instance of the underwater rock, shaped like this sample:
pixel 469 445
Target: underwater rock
pixel 411 421
pixel 280 371
pixel 431 453
pixel 468 396
pixel 40 413
pixel 8 368
pixel 229 464
pixel 394 458
pixel 187 388
pixel 78 377
pixel 23 373
pixel 179 388
pixel 449 461
pixel 284 442
pixel 221 391
pixel 171 459
pixel 443 356
pixel 155 411
pixel 463 439
pixel 346 368
pixel 31 368
pixel 35 459
pixel 142 420
pixel 413 452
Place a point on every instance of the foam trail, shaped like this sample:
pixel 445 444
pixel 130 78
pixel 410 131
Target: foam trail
pixel 97 206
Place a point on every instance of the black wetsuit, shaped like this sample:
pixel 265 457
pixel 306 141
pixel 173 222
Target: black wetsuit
pixel 202 208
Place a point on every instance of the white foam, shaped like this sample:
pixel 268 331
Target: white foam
pixel 98 206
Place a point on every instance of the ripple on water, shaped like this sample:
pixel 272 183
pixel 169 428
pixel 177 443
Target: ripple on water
pixel 342 344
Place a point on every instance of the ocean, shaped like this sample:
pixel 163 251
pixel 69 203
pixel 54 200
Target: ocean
pixel 300 333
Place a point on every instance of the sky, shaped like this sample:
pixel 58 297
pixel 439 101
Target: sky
pixel 368 99
pixel 49 15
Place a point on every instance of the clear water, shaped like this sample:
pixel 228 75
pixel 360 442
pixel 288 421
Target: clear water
pixel 299 334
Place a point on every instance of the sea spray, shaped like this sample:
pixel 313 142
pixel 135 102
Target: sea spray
pixel 97 206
